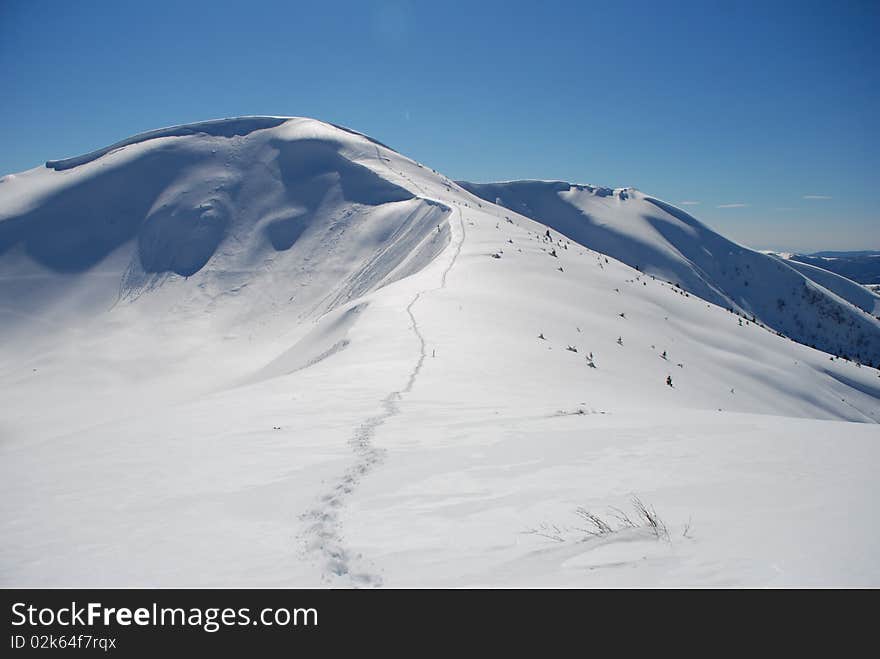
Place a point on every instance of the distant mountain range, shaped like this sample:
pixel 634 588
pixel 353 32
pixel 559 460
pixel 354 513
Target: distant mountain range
pixel 862 267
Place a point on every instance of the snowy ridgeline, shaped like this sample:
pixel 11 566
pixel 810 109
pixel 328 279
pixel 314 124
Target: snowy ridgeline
pixel 280 344
pixel 812 306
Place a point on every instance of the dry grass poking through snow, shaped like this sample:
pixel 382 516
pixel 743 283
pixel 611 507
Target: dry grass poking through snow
pixel 643 516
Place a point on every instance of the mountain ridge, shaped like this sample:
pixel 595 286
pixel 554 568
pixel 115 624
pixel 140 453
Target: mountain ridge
pixel 680 249
pixel 321 363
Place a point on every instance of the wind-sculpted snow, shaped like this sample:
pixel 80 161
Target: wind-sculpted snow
pixel 76 227
pixel 664 241
pixel 217 128
pixel 327 338
pixel 226 197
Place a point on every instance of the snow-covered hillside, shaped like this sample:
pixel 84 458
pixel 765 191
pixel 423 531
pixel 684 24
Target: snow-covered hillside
pixel 859 295
pixel 662 240
pixel 270 351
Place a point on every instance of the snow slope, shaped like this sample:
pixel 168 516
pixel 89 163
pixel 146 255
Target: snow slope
pixel 664 241
pixel 263 352
pixel 847 289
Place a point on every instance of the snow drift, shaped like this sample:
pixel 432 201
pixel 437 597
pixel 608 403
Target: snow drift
pixel 224 197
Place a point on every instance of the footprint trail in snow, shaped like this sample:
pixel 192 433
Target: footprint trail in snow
pixel 323 535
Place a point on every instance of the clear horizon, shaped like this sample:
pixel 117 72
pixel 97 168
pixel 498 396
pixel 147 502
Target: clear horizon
pixel 757 118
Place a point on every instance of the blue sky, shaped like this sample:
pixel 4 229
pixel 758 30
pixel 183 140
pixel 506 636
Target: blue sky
pixel 765 113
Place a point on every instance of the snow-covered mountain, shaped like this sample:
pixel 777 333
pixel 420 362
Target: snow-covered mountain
pixel 664 241
pixel 861 296
pixel 283 346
